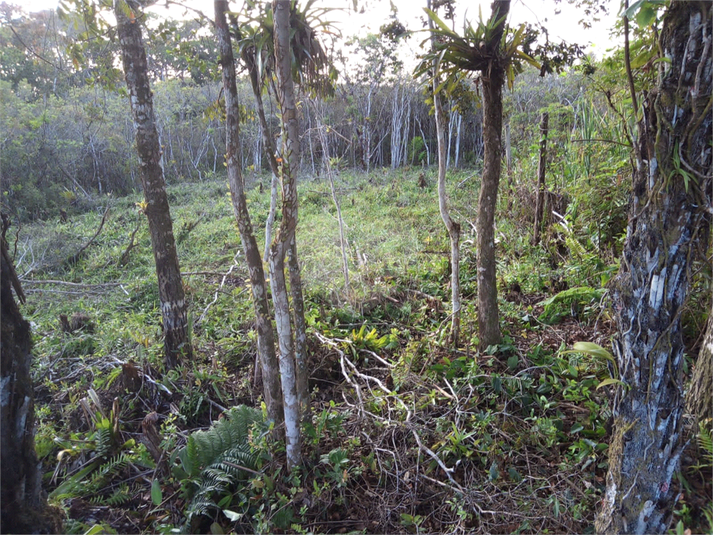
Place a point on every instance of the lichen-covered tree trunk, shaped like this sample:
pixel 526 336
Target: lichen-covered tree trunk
pixel 492 91
pixel 699 400
pixel 266 339
pixel 452 226
pixel 170 285
pixel 285 235
pixel 541 171
pixel 24 510
pixel 671 187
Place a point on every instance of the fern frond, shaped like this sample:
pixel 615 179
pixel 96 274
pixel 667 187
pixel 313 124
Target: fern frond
pixel 217 459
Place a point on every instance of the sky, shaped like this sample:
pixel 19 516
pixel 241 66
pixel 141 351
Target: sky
pixel 562 26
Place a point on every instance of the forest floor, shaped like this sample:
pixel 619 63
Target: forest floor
pixel 408 434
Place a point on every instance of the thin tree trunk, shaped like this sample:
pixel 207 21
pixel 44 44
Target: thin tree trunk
pixel 541 171
pixel 508 154
pixel 330 176
pixel 24 509
pixel 285 234
pixel 263 322
pixel 492 84
pixel 671 187
pixel 298 317
pixel 452 227
pixel 170 285
pixel 458 133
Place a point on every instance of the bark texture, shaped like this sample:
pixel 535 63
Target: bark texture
pixel 272 390
pixel 671 187
pixel 493 77
pixel 24 508
pixel 170 285
pixel 294 398
pixel 699 400
pixel 541 172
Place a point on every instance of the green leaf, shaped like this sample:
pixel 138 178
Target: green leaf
pixel 513 361
pixel 96 529
pixel 645 16
pixel 493 473
pixel 442 25
pixel 514 475
pixel 609 381
pixel 591 349
pixel 156 492
pixel 576 428
pixel 232 515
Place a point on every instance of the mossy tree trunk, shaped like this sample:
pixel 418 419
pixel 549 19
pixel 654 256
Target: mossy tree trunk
pixel 671 187
pixel 24 509
pixel 170 285
pixel 272 390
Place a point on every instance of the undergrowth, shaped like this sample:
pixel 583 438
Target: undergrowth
pixel 407 434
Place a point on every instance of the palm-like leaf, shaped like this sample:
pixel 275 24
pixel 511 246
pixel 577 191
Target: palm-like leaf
pixel 455 53
pixel 311 67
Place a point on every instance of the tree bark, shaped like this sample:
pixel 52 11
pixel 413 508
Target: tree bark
pixel 452 227
pixel 24 509
pixel 699 400
pixel 263 322
pixel 492 87
pixel 541 171
pixel 289 368
pixel 170 285
pixel 671 188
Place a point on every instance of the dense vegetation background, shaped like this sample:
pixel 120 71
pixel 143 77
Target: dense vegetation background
pixel 408 434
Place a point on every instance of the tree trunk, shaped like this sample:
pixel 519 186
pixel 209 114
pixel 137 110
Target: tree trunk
pixel 298 317
pixel 492 84
pixel 24 509
pixel 667 217
pixel 541 171
pixel 699 399
pixel 285 234
pixel 170 285
pixel 452 227
pixel 266 339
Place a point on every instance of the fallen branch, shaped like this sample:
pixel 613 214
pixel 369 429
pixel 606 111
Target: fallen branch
pixel 28 282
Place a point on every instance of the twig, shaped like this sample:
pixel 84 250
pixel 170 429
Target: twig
pixel 217 292
pixel 125 256
pixel 438 460
pixel 76 256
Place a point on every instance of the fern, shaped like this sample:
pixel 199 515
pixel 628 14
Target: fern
pixel 217 461
pixel 205 447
